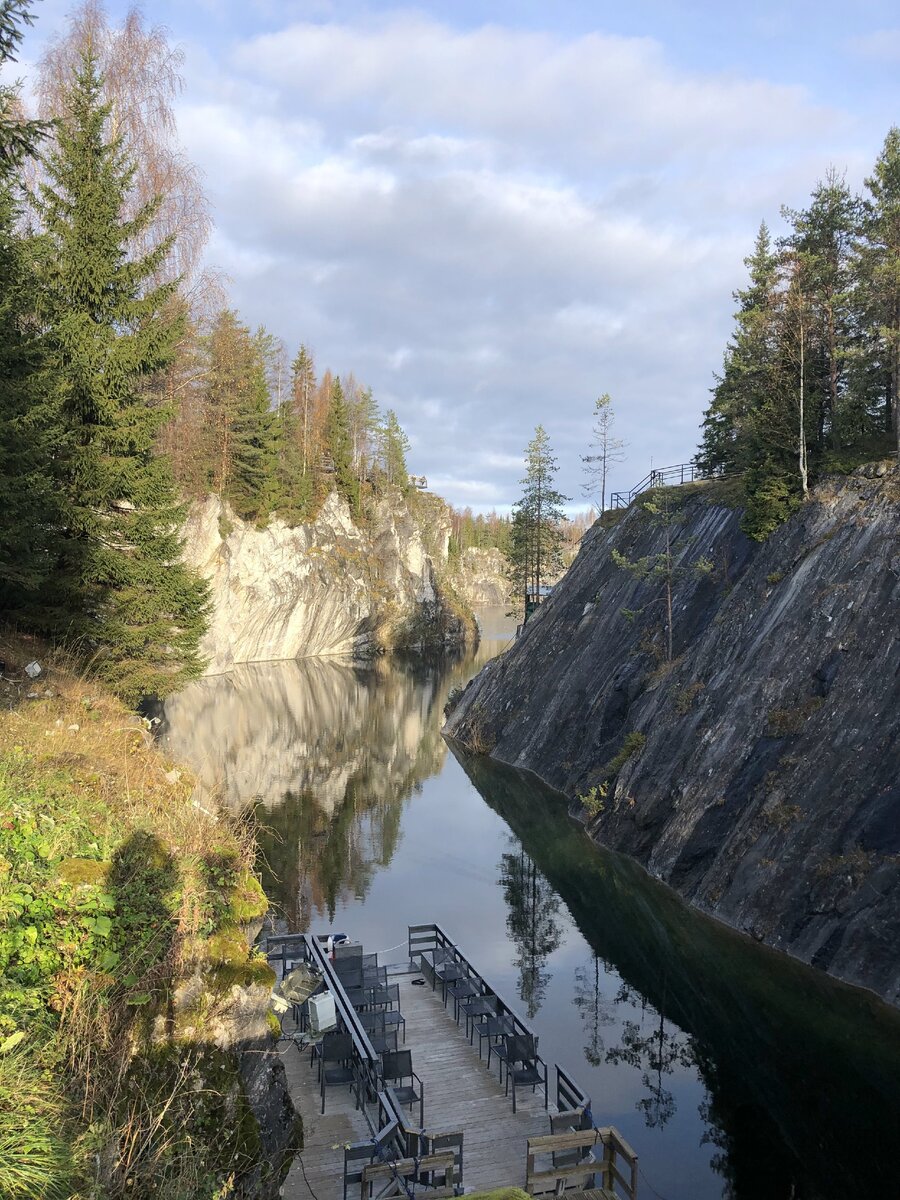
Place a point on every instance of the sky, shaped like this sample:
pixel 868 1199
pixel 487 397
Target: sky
pixel 491 213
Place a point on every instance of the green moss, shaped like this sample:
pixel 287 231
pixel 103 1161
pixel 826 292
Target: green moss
pixel 227 946
pixel 251 973
pixel 78 871
pixel 248 901
pixel 510 1193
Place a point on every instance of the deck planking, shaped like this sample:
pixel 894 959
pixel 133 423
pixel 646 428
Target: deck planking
pixel 460 1093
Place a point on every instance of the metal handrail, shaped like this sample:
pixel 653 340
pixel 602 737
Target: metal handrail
pixel 672 476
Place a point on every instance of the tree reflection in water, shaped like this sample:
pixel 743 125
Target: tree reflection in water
pixel 588 999
pixel 801 1072
pixel 654 1048
pixel 532 924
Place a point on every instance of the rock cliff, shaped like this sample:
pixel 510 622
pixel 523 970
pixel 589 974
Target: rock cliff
pixel 757 772
pixel 482 577
pixel 327 588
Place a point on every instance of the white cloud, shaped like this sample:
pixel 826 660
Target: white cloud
pixel 492 227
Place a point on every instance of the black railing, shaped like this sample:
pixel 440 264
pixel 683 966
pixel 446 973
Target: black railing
pixel 424 938
pixel 660 477
pixel 393 1138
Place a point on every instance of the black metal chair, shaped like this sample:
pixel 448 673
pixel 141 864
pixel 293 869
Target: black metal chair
pixel 337 1049
pixel 382 1032
pixel 477 1008
pixel 496 1030
pixel 524 1066
pixel 464 989
pixel 396 1068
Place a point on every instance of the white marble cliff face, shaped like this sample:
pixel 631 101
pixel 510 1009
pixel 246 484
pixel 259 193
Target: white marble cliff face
pixel 483 577
pixel 327 588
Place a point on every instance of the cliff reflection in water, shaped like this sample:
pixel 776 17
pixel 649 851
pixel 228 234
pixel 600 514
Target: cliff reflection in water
pixel 327 752
pixel 801 1071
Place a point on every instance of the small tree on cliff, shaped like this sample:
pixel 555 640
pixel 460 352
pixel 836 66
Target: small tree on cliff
pixel 536 542
pixel 119 588
pixel 394 447
pixel 607 450
pixel 662 568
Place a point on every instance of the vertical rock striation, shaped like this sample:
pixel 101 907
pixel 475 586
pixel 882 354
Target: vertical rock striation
pixel 327 588
pixel 759 772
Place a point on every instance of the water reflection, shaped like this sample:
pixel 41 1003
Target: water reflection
pixel 328 752
pixel 801 1072
pixel 588 998
pixel 697 1043
pixel 533 924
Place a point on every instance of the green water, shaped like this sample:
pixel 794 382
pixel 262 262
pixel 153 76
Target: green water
pixel 731 1070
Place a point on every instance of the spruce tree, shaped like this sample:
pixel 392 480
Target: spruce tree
pixel 879 269
pixel 746 383
pixel 30 435
pixel 339 445
pixel 242 452
pixel 29 432
pixel 121 593
pixel 394 449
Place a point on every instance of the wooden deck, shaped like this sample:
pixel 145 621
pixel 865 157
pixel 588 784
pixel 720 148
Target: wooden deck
pixel 460 1093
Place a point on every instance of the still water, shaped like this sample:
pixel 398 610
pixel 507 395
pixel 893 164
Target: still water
pixel 732 1071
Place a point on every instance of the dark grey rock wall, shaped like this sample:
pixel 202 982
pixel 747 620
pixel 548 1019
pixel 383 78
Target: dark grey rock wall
pixel 767 790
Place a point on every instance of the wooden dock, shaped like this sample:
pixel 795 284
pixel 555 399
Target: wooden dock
pixel 460 1093
pixel 468 1134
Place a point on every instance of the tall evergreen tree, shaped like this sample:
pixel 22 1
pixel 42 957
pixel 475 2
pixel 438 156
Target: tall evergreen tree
pixel 242 455
pixel 29 432
pixel 879 266
pixel 394 449
pixel 121 592
pixel 819 248
pixel 746 383
pixel 338 444
pixel 537 538
pixel 303 388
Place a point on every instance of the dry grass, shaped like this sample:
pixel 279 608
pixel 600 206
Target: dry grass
pixel 64 721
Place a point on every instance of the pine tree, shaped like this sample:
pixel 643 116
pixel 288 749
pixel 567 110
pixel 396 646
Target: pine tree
pixel 338 445
pixel 303 387
pixel 607 451
pixel 121 592
pixel 819 248
pixel 536 538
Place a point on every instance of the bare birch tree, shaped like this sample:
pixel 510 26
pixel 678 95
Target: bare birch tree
pixel 141 81
pixel 607 450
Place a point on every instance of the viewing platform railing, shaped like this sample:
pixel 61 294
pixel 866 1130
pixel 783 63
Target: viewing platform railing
pixel 662 477
pixel 393 1140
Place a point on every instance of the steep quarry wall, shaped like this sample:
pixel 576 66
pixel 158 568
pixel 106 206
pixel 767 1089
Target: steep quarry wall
pixel 327 588
pixel 759 772
pixel 482 578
